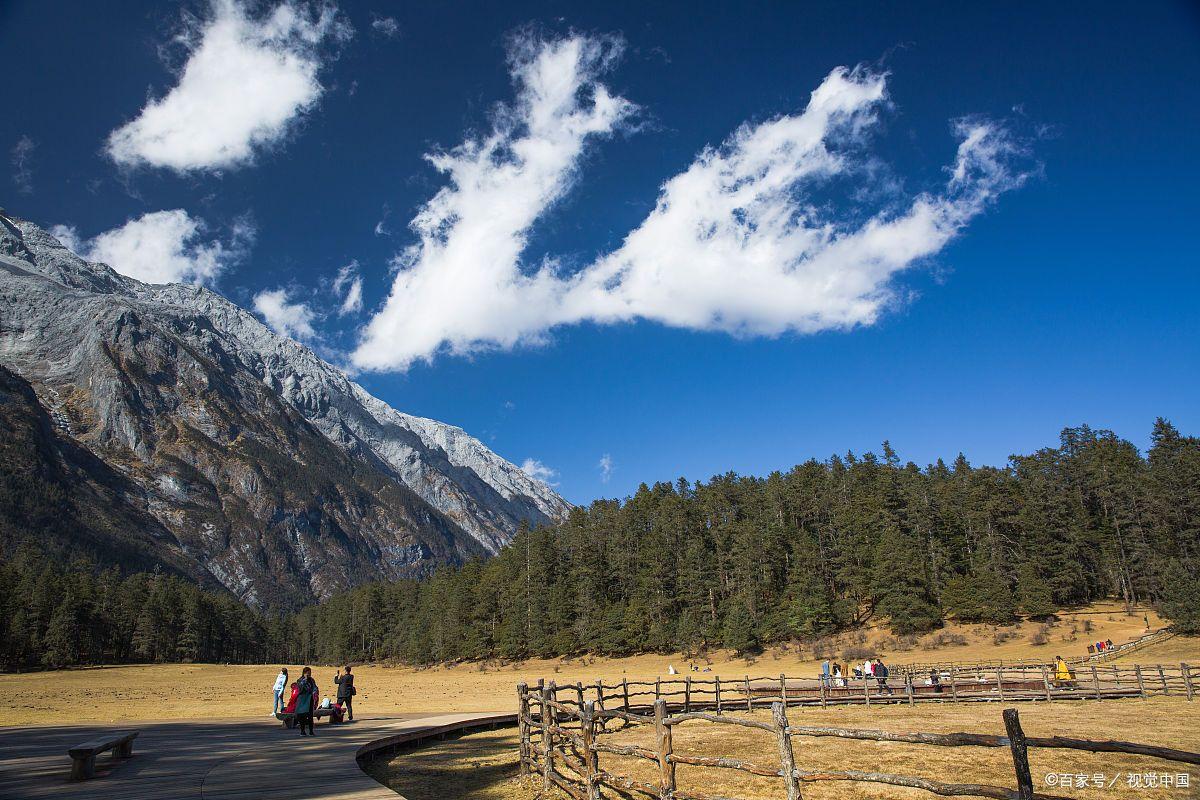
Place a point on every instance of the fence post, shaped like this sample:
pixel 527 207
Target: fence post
pixel 591 759
pixel 523 726
pixel 1020 753
pixel 1137 671
pixel 718 690
pixel 1116 675
pixel 823 690
pixel 908 687
pixel 625 691
pixel 1162 676
pixel 787 758
pixel 579 694
pixel 600 703
pixel 547 739
pixel 749 697
pixel 867 689
pixel 687 694
pixel 1187 679
pixel 953 686
pixel 1046 684
pixel 657 689
pixel 783 690
pixel 662 735
pixel 1096 682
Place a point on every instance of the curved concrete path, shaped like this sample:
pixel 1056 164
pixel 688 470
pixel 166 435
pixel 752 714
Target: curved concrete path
pixel 243 759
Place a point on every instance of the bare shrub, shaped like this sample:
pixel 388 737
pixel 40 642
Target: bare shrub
pixel 1088 627
pixel 1002 636
pixel 854 653
pixel 898 644
pixel 1041 636
pixel 945 639
pixel 824 648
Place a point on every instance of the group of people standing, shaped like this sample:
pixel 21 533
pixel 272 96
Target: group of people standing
pixel 834 674
pixel 305 697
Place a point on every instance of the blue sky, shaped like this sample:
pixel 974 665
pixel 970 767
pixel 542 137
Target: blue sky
pixel 1053 281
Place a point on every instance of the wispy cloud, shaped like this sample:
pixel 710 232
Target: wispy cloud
pixel 539 471
pixel 163 247
pixel 386 27
pixel 746 240
pixel 286 316
pixel 606 467
pixel 348 286
pixel 462 283
pixel 246 80
pixel 22 155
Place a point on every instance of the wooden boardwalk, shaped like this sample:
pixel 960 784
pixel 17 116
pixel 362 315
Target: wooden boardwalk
pixel 241 759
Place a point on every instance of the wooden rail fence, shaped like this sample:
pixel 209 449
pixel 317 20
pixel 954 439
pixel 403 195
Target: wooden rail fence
pixel 562 737
pixel 963 684
pixel 1146 640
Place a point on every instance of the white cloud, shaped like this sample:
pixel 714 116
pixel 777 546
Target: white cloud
pixel 68 236
pixel 246 79
pixel 22 175
pixel 743 241
pixel 539 471
pixel 348 286
pixel 385 26
pixel 285 317
pixel 606 467
pixel 462 283
pixel 162 247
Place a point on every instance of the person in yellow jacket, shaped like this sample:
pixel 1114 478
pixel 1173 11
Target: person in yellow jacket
pixel 1063 675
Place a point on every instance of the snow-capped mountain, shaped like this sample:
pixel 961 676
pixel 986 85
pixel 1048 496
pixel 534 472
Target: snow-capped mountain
pixel 266 468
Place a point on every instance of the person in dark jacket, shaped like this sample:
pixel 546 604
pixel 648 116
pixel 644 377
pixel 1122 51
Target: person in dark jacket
pixel 306 702
pixel 346 691
pixel 881 676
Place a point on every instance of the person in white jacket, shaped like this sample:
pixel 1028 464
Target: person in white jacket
pixel 280 684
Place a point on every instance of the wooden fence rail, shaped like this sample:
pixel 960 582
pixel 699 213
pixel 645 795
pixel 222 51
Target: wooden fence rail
pixel 1146 640
pixel 568 733
pixel 965 684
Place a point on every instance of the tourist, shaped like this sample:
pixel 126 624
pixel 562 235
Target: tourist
pixel 880 671
pixel 1062 673
pixel 868 669
pixel 346 691
pixel 935 681
pixel 306 701
pixel 838 680
pixel 825 672
pixel 280 682
pixel 290 708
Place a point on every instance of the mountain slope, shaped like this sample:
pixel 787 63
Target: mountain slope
pixel 272 472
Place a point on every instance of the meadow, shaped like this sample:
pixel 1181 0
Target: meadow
pixel 207 691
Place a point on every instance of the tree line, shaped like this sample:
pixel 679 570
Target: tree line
pixel 54 615
pixel 734 562
pixel 741 561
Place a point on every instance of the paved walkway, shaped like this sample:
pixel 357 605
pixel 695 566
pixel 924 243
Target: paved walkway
pixel 242 759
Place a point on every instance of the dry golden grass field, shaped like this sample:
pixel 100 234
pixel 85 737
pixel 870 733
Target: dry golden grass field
pixel 199 691
pixel 483 766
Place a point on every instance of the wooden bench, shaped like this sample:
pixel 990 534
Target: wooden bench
pixel 289 719
pixel 83 756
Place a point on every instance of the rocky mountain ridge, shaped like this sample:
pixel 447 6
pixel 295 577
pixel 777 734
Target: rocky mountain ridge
pixel 274 473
